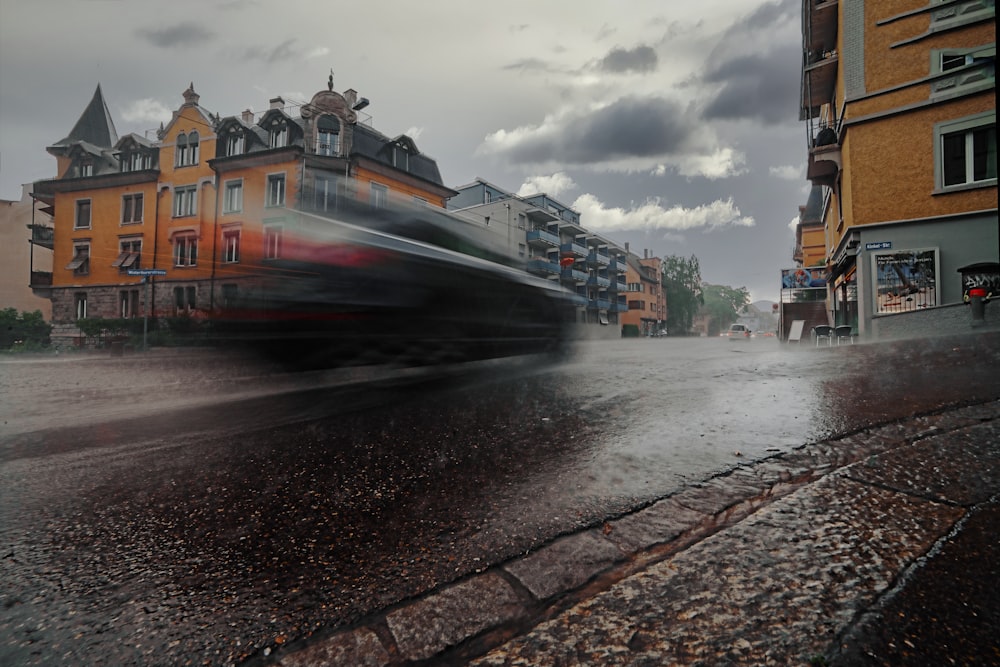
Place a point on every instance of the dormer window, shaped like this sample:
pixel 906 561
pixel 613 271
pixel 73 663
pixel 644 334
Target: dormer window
pixel 328 136
pixel 136 161
pixel 400 157
pixel 187 150
pixel 278 135
pixel 234 144
pixel 86 169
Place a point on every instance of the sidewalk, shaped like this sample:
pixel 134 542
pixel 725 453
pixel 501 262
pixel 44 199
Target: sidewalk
pixel 877 548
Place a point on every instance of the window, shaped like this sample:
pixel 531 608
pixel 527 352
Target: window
pixel 230 293
pixel 186 150
pixel 128 254
pixel 231 246
pixel 521 249
pixel 379 195
pixel 185 201
pixel 132 208
pixel 969 71
pixel 136 161
pixel 328 136
pixel 276 190
pixel 637 305
pixel 278 136
pixel 400 158
pixel 325 193
pixel 521 220
pixel 82 214
pixel 128 302
pixel 80 305
pixel 185 299
pixel 232 201
pixel 86 169
pixel 80 264
pixel 185 250
pixel 272 241
pixel 966 152
pixel 234 144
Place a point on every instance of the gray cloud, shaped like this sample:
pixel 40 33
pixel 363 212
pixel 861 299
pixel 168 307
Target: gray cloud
pixel 640 59
pixel 186 33
pixel 530 65
pixel 631 127
pixel 757 87
pixel 283 52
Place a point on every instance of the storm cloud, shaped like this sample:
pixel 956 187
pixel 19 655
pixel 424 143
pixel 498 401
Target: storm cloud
pixel 756 87
pixel 640 59
pixel 187 33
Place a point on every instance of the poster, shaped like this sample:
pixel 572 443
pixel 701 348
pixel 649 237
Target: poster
pixel 905 280
pixel 803 278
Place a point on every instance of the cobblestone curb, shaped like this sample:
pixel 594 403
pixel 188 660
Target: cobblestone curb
pixel 769 563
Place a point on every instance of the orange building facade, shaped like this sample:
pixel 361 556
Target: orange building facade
pixel 202 207
pixel 899 98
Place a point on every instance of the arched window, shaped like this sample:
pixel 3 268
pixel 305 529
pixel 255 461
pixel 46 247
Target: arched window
pixel 328 136
pixel 278 135
pixel 180 150
pixel 192 148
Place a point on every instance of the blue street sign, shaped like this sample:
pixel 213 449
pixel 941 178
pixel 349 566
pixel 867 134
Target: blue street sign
pixel 147 272
pixel 880 245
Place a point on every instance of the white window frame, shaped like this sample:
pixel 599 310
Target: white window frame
pixel 272 241
pixel 326 191
pixel 231 245
pixel 378 194
pixel 90 214
pixel 80 305
pixel 235 142
pixel 277 136
pixel 185 201
pixel 232 198
pixel 128 303
pixel 81 251
pixel 276 184
pixel 129 254
pixel 132 208
pixel 967 125
pixel 185 250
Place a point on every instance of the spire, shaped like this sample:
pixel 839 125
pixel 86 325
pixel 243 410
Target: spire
pixel 94 126
pixel 191 97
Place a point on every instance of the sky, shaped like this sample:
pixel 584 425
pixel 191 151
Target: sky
pixel 669 125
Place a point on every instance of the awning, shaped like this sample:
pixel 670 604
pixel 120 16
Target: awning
pixel 602 318
pixel 77 262
pixel 131 260
pixel 121 259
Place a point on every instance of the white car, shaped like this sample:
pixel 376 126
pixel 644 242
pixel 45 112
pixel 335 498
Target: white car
pixel 737 331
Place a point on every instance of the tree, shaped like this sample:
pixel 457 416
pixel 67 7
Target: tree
pixel 723 305
pixel 682 287
pixel 27 329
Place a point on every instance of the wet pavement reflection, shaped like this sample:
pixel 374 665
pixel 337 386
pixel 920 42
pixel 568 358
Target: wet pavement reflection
pixel 215 533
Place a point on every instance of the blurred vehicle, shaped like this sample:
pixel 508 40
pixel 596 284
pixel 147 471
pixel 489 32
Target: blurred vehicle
pixel 412 286
pixel 738 331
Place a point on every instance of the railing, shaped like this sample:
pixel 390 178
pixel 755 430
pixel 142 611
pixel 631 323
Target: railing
pixel 599 304
pixel 42 235
pixel 40 279
pixel 574 275
pixel 575 248
pixel 543 266
pixel 543 237
pixel 599 281
pixel 598 258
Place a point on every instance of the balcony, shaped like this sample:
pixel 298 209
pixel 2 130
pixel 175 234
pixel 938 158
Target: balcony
pixel 543 267
pixel 41 284
pixel 619 307
pixel 819 80
pixel 574 276
pixel 578 300
pixel 42 235
pixel 598 281
pixel 618 286
pixel 598 259
pixel 541 215
pixel 821 17
pixel 573 250
pixel 542 239
pixel 824 164
pixel 598 304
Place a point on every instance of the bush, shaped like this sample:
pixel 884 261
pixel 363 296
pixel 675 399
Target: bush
pixel 26 330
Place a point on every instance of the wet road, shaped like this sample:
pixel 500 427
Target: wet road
pixel 180 510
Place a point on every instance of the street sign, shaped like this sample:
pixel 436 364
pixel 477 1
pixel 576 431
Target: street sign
pixel 147 272
pixel 880 245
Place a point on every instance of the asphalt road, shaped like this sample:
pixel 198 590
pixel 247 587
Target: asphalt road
pixel 178 508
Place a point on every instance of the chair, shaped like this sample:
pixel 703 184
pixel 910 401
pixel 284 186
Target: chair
pixel 844 332
pixel 824 332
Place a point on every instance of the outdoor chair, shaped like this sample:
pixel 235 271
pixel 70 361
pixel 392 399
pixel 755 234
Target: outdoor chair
pixel 844 332
pixel 823 332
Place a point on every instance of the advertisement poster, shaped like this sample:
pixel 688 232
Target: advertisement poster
pixel 803 278
pixel 905 280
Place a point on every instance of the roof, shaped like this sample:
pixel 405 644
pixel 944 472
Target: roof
pixel 369 143
pixel 813 212
pixel 94 126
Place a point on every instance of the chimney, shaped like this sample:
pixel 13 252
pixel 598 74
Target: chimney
pixel 645 253
pixel 351 96
pixel 277 103
pixel 626 247
pixel 247 116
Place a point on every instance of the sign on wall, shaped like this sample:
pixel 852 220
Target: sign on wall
pixel 905 280
pixel 803 278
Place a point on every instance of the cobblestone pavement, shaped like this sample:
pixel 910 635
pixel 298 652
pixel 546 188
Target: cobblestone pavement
pixel 876 548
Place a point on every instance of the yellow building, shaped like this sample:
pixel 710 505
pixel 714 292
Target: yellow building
pixel 203 205
pixel 899 98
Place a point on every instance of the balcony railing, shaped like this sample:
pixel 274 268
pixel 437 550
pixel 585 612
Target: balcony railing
pixel 575 248
pixel 542 238
pixel 603 283
pixel 598 258
pixel 572 275
pixel 42 235
pixel 599 304
pixel 543 267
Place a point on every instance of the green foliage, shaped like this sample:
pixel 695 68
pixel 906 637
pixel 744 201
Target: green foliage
pixel 23 331
pixel 723 305
pixel 682 287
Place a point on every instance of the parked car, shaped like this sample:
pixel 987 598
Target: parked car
pixel 738 331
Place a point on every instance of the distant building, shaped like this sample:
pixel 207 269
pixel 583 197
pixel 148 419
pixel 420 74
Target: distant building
pixel 206 200
pixel 900 103
pixel 549 239
pixel 25 253
pixel 646 299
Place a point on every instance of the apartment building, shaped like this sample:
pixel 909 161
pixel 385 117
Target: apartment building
pixel 203 204
pixel 899 100
pixel 549 240
pixel 22 222
pixel 647 307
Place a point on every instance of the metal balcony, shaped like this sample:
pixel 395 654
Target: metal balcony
pixel 574 276
pixel 598 259
pixel 42 235
pixel 574 249
pixel 543 267
pixel 598 281
pixel 542 239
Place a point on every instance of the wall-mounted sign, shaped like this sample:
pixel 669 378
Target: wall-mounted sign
pixel 905 280
pixel 878 245
pixel 803 278
pixel 147 272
